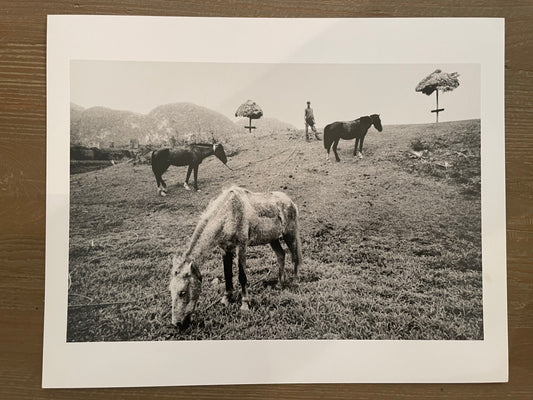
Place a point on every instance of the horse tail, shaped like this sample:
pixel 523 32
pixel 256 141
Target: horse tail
pixel 298 242
pixel 328 137
pixel 296 249
pixel 155 170
pixel 152 159
pixel 292 238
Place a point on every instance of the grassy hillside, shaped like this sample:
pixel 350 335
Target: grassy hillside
pixel 391 243
pixel 264 125
pixel 186 119
pixel 101 126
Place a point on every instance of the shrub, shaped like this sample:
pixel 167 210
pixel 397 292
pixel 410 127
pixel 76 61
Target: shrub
pixel 419 145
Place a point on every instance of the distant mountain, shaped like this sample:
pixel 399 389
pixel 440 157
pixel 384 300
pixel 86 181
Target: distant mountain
pixel 102 127
pixel 265 125
pixel 183 120
pixel 75 116
pixel 76 108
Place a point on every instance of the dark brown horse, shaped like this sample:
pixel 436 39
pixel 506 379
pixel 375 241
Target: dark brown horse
pixel 348 130
pixel 191 155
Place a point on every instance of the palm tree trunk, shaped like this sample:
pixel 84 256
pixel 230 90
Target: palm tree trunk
pixel 437 92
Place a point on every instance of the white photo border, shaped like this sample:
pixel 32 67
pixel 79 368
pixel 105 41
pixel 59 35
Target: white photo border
pixel 185 39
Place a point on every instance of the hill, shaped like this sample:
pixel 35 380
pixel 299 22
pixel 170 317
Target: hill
pixel 187 120
pixel 75 117
pixel 104 127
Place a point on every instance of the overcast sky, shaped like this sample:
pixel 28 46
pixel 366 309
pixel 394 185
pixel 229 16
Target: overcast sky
pixel 337 92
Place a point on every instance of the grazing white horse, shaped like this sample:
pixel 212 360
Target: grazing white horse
pixel 233 221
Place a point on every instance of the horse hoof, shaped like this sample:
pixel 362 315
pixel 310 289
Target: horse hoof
pixel 163 194
pixel 225 301
pixel 186 186
pixel 245 307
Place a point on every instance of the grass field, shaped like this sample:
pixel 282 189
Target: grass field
pixel 391 242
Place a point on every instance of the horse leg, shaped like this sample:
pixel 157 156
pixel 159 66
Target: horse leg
pixel 228 276
pixel 196 177
pixel 242 278
pixel 159 171
pixel 163 185
pixel 361 147
pixel 335 144
pixel 293 243
pixel 327 141
pixel 186 183
pixel 158 182
pixel 280 254
pixel 355 147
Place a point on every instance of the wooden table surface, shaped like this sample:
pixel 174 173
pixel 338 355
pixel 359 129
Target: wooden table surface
pixel 22 189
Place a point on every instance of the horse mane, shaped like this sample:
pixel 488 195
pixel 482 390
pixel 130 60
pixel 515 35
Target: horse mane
pixel 202 144
pixel 204 230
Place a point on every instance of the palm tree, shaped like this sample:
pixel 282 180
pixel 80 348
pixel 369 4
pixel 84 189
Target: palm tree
pixel 249 109
pixel 438 81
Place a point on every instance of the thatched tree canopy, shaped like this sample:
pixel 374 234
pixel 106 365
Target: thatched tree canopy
pixel 249 109
pixel 438 80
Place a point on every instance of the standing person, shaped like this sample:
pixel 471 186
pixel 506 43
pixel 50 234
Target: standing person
pixel 310 122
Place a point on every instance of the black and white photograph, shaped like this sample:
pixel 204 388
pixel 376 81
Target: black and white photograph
pixel 240 201
pixel 274 201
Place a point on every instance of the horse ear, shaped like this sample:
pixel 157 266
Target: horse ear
pixel 196 272
pixel 177 263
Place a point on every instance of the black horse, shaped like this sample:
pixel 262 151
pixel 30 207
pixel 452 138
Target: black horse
pixel 350 130
pixel 191 155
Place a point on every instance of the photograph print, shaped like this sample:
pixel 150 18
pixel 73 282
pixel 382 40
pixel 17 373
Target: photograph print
pixel 249 201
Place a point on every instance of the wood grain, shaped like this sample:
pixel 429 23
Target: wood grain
pixel 22 190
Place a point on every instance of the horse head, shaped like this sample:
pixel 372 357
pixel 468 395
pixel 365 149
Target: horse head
pixel 376 121
pixel 218 149
pixel 185 287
